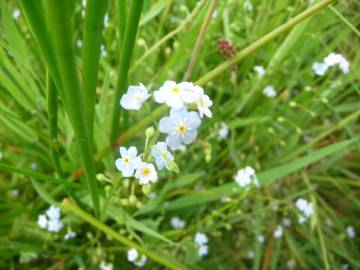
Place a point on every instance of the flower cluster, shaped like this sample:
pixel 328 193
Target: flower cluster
pixel 134 257
pixel 269 91
pixel 306 209
pixel 106 266
pixel 333 59
pixel 278 232
pixel 201 241
pixel 246 176
pixel 51 219
pixel 180 126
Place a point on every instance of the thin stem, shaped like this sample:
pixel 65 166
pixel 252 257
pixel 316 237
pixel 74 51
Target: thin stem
pixel 168 262
pixel 125 58
pixel 262 41
pixel 122 21
pixel 200 39
pixel 94 22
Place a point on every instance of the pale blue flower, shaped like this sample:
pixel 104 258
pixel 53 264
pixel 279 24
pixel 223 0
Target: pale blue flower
pixel 53 213
pixel 128 162
pixel 161 155
pixel 181 126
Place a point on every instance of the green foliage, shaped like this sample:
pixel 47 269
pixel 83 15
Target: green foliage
pixel 63 69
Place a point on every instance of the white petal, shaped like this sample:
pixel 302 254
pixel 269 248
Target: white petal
pixel 119 164
pixel 189 137
pixel 193 120
pixel 173 140
pixel 178 115
pixel 174 102
pixel 132 151
pixel 127 171
pixel 123 151
pixel 166 125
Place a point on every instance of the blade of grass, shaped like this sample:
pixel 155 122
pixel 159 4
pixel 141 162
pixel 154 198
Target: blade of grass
pixel 61 33
pixel 170 263
pixel 94 21
pixel 125 58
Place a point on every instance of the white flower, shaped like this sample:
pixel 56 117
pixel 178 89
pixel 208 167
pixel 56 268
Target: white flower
pixel 269 91
pixel 305 207
pixel 302 219
pixel 320 68
pixel 69 235
pixel 54 225
pixel 106 266
pixel 141 262
pixel 79 43
pixel 332 59
pixel 1 155
pixel 146 173
pixel 103 51
pixel 350 231
pixel 203 102
pixel 33 165
pixel 14 193
pixel 134 97
pixel 177 223
pixel 152 196
pixel 201 238
pixel 260 238
pixel 278 232
pixel 223 131
pixel 246 176
pixel 42 221
pixel 181 126
pixel 128 161
pixel 260 71
pixel 344 65
pixel 291 264
pixel 162 155
pixel 53 213
pixel 250 254
pixel 286 222
pixel 132 254
pixel 16 14
pixel 175 95
pixel 203 250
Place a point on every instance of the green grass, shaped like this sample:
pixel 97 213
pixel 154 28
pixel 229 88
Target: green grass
pixel 61 125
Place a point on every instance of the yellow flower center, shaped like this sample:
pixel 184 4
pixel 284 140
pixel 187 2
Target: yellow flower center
pixel 182 129
pixel 175 90
pixel 146 171
pixel 137 98
pixel 126 160
pixel 201 102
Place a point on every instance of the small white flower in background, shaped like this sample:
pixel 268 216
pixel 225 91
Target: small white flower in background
pixel 177 223
pixel 333 59
pixel 16 14
pixel 14 193
pixel 251 254
pixel 128 162
pixel 350 231
pixel 203 250
pixel 152 196
pixel 320 68
pixel 146 173
pixel 54 225
pixel 135 96
pixel 106 19
pixel 203 102
pixel 69 235
pixel 106 266
pixel 133 256
pixel 42 221
pixel 175 95
pixel 162 155
pixel 305 207
pixel 33 166
pixel 181 126
pixel 260 238
pixel 260 71
pixel 344 65
pixel 291 264
pixel 246 176
pixel 223 131
pixel 286 222
pixel 201 238
pixel 79 43
pixel 53 212
pixel 302 219
pixel 103 51
pixel 278 232
pixel 269 91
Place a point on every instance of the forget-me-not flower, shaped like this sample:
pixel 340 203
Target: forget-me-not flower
pixel 128 161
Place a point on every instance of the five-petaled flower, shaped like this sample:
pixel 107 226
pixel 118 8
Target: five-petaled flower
pixel 146 173
pixel 162 155
pixel 134 97
pixel 128 161
pixel 175 95
pixel 181 126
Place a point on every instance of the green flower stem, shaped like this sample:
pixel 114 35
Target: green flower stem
pixel 61 35
pixel 166 261
pixel 200 39
pixel 125 58
pixel 94 21
pixel 262 41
